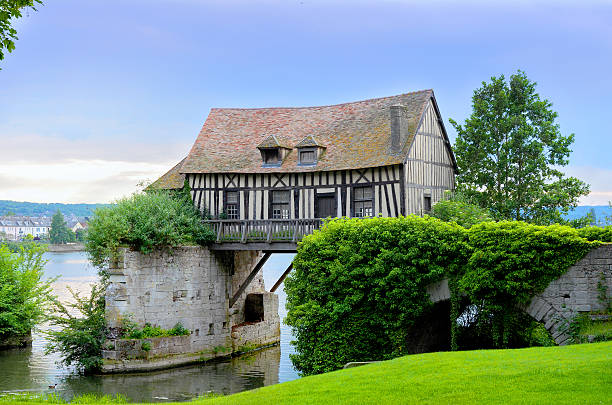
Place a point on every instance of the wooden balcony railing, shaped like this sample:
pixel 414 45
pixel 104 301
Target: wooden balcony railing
pixel 263 230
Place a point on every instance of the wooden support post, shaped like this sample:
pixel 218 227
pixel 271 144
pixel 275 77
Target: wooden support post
pixel 282 278
pixel 249 278
pixel 220 232
pixel 244 232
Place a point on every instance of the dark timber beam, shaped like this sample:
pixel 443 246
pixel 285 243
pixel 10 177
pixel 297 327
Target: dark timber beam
pixel 273 247
pixel 249 278
pixel 282 278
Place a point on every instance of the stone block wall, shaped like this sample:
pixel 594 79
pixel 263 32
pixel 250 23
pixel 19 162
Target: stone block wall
pixel 190 285
pixel 256 334
pixel 575 292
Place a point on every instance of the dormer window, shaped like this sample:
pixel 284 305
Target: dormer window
pixel 270 156
pixel 272 152
pixel 308 157
pixel 309 151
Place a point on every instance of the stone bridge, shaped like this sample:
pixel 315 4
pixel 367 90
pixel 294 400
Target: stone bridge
pixel 573 293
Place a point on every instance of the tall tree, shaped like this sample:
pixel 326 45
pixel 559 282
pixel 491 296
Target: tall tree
pixel 9 11
pixel 509 152
pixel 59 232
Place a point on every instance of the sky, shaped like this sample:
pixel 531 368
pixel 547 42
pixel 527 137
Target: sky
pixel 101 95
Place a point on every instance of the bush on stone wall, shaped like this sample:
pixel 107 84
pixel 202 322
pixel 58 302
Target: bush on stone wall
pixel 144 222
pixel 359 284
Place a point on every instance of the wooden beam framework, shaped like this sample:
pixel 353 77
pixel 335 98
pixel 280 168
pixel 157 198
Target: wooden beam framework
pixel 249 278
pixel 282 278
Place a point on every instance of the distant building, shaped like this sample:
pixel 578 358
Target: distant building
pixel 16 227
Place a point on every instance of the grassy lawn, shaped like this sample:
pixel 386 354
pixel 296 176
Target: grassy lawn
pixel 576 374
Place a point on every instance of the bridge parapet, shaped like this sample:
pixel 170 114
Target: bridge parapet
pixel 261 234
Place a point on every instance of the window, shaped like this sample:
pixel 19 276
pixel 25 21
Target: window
pixel 279 204
pixel 362 202
pixel 308 157
pixel 232 205
pixel 427 203
pixel 270 156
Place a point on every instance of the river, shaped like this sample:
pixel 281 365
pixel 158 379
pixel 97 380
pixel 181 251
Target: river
pixel 31 370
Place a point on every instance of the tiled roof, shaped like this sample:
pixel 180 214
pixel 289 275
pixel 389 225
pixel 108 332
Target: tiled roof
pixel 356 135
pixel 173 179
pixel 25 221
pixel 308 141
pixel 270 142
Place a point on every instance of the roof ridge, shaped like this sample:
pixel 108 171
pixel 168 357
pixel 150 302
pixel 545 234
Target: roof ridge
pixel 320 106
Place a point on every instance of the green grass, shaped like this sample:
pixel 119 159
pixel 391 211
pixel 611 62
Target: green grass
pixel 598 328
pixel 576 374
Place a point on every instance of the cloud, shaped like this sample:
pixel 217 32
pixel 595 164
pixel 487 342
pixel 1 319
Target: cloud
pixel 76 181
pixel 600 180
pixel 54 149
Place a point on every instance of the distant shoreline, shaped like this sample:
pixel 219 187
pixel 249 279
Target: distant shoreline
pixel 73 247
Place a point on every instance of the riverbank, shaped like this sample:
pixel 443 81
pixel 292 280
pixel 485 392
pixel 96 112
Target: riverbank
pixel 69 247
pixel 574 374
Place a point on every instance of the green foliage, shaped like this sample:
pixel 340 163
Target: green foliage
pixel 143 222
pixel 59 232
pixel 30 209
pixel 359 284
pixel 24 295
pixel 146 346
pixel 592 233
pixel 54 398
pixel 583 329
pixel 132 331
pixel 9 11
pixel 509 151
pixel 79 339
pixel 458 208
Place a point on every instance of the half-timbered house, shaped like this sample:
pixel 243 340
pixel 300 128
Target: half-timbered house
pixel 388 156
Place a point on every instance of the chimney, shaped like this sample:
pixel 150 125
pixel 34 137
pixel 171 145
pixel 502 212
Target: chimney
pixel 398 127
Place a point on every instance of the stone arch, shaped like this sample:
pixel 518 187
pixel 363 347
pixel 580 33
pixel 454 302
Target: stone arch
pixel 575 292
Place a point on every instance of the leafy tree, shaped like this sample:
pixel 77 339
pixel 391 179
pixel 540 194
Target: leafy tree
pixel 59 232
pixel 460 209
pixel 10 10
pixel 509 151
pixel 79 339
pixel 24 295
pixel 80 235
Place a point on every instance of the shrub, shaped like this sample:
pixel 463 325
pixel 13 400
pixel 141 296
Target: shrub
pixel 602 234
pixel 132 331
pixel 143 222
pixel 178 330
pixel 359 284
pixel 80 339
pixel 24 295
pixel 460 209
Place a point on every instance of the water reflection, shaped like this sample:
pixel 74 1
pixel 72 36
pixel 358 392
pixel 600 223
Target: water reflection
pixel 29 369
pixel 228 377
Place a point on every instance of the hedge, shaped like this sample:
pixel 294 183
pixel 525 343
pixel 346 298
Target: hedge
pixel 358 285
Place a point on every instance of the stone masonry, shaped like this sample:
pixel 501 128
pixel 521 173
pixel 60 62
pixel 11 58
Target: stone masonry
pixel 192 286
pixel 573 293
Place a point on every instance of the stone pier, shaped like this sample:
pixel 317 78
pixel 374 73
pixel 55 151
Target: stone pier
pixel 192 286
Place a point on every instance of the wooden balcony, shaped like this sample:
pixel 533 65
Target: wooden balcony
pixel 271 235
